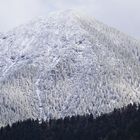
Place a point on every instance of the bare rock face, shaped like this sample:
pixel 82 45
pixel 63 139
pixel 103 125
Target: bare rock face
pixel 66 64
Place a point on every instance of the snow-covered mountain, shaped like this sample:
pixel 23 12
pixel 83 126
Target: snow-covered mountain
pixel 66 64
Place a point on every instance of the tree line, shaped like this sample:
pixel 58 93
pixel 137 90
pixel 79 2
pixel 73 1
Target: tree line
pixel 121 124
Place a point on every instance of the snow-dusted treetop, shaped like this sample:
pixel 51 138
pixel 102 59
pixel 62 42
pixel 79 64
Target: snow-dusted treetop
pixel 66 64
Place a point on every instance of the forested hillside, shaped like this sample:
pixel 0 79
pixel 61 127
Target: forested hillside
pixel 66 64
pixel 121 124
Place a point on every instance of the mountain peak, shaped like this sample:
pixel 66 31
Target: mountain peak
pixel 65 13
pixel 66 64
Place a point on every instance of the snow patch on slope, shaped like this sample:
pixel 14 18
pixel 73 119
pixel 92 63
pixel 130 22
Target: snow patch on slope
pixel 38 93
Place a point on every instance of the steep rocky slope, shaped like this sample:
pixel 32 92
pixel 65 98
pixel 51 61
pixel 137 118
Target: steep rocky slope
pixel 66 64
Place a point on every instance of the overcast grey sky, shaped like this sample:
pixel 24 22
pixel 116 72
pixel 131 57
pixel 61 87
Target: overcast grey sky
pixel 121 14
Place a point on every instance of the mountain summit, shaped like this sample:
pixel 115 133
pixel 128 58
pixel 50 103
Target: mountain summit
pixel 66 64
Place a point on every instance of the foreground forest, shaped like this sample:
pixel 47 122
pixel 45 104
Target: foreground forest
pixel 121 124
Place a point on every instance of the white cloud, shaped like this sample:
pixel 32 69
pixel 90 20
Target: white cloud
pixel 122 14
